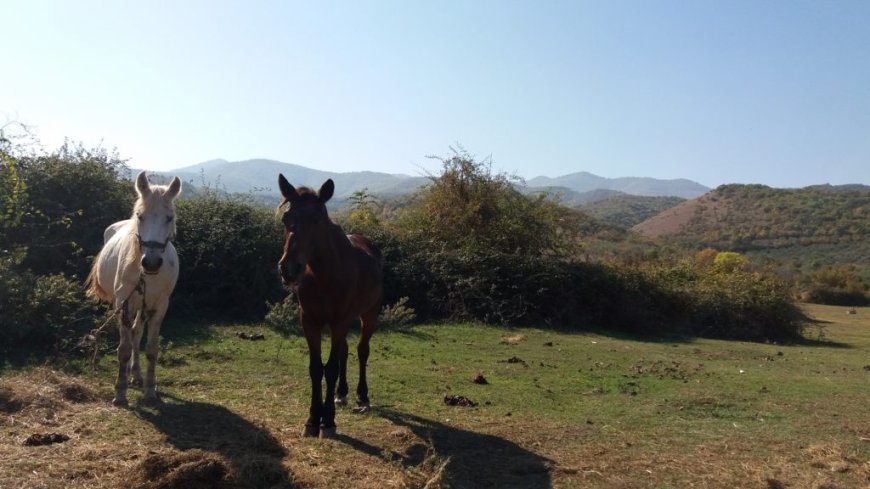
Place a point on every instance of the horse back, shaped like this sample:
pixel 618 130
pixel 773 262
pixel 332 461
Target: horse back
pixel 365 245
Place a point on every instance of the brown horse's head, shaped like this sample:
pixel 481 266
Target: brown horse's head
pixel 306 224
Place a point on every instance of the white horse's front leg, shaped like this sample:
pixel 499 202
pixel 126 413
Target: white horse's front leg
pixel 138 329
pixel 152 348
pixel 125 350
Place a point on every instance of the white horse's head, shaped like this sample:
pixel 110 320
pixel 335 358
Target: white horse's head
pixel 154 218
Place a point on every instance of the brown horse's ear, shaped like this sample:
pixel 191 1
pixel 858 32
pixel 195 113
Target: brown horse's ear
pixel 287 190
pixel 143 188
pixel 326 191
pixel 174 188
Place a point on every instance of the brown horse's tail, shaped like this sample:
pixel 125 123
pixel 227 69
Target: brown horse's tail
pixel 92 285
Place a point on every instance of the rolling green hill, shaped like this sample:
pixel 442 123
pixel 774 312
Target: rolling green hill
pixel 806 227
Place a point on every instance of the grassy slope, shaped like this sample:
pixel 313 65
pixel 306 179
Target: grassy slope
pixel 584 410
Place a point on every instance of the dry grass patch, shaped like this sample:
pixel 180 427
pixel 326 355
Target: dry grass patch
pixel 193 469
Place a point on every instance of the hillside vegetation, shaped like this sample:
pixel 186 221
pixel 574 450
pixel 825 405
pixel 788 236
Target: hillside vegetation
pixel 798 231
pixel 746 217
pixel 626 211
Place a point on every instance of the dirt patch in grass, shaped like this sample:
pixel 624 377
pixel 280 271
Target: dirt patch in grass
pixel 193 469
pixel 512 340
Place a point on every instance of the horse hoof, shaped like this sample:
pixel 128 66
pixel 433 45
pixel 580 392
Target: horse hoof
pixel 340 401
pixel 328 433
pixel 136 382
pixel 151 400
pixel 119 402
pixel 310 431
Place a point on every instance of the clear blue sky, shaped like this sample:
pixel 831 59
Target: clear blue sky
pixel 773 92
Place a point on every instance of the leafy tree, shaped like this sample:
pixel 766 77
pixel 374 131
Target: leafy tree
pixel 469 207
pixel 729 261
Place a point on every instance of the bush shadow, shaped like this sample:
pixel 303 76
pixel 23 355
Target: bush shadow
pixel 475 459
pixel 254 455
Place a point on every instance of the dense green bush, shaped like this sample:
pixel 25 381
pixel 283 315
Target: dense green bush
pixel 53 209
pixel 39 314
pixel 229 250
pixel 72 195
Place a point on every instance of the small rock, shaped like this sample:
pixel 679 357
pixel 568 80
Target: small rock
pixel 479 379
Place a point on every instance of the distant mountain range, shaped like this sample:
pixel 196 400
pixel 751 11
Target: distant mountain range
pixel 649 187
pixel 259 178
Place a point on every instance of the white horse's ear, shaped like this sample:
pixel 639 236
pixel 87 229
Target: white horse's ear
pixel 326 190
pixel 287 190
pixel 143 188
pixel 174 189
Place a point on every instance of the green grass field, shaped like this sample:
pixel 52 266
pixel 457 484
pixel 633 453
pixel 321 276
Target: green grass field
pixel 558 410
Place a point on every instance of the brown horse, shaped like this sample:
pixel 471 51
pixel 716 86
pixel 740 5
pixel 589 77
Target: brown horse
pixel 337 278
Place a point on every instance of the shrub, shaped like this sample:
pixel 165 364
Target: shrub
pixel 283 316
pixel 469 208
pixel 72 195
pixel 39 314
pixel 229 250
pixel 744 305
pixel 398 314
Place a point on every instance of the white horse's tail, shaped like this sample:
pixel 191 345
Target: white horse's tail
pixel 92 285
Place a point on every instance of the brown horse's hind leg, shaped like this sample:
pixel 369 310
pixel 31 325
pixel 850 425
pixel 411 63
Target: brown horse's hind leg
pixel 367 323
pixel 341 390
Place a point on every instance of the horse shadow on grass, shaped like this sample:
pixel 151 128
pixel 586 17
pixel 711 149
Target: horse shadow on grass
pixel 472 459
pixel 254 457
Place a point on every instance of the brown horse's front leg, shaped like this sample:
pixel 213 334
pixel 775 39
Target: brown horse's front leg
pixel 327 422
pixel 315 371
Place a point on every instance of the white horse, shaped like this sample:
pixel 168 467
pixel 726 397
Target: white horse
pixel 136 271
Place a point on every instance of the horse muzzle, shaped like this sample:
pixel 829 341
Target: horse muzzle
pixel 151 264
pixel 290 272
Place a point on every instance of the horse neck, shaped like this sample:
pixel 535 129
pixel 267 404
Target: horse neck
pixel 327 259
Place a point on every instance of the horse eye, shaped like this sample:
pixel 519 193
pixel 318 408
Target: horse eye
pixel 139 216
pixel 169 218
